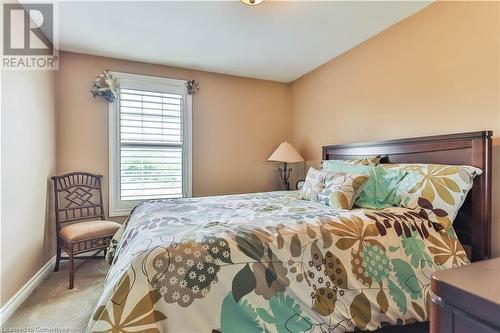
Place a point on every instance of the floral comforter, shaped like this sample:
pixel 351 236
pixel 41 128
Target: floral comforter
pixel 269 262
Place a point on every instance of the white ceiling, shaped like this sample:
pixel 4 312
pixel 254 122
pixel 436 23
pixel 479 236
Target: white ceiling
pixel 278 41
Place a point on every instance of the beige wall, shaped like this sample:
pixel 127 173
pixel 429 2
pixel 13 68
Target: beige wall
pixel 436 72
pixel 28 161
pixel 237 122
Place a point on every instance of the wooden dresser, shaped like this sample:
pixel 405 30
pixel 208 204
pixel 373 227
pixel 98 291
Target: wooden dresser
pixel 467 299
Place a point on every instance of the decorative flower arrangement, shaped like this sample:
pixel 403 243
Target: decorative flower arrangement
pixel 192 86
pixel 105 85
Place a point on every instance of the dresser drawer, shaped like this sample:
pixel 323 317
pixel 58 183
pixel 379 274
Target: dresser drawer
pixel 466 299
pixel 441 318
pixel 465 324
pixel 445 319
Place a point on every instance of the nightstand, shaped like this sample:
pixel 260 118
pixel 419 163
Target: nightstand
pixel 466 299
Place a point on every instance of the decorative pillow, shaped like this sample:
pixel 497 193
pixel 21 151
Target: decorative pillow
pixel 342 189
pixel 380 190
pixel 364 161
pixel 440 190
pixel 313 184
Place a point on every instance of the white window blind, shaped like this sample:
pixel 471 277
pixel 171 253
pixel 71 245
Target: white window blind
pixel 151 153
pixel 151 145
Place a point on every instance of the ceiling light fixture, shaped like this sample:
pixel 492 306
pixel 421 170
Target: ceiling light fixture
pixel 252 2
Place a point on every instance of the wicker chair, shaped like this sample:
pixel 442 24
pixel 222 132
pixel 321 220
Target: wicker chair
pixel 80 220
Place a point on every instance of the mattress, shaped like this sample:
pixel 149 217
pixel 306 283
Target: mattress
pixel 270 262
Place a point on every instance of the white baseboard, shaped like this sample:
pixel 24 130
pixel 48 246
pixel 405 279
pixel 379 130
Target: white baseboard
pixel 8 309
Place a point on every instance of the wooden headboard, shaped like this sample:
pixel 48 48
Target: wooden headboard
pixel 473 222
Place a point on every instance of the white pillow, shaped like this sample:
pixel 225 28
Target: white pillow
pixel 313 185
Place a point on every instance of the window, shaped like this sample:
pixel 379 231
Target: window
pixel 149 141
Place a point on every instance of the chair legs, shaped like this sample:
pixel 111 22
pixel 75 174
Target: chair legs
pixel 71 266
pixel 71 257
pixel 58 258
pixel 71 270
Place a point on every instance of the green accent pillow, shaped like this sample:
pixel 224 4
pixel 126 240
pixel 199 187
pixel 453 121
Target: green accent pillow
pixel 379 190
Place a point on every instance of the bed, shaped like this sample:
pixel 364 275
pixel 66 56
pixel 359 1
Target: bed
pixel 269 262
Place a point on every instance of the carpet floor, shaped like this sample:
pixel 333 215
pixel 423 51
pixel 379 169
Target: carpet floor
pixel 52 307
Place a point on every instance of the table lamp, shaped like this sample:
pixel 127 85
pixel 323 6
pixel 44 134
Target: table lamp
pixel 285 153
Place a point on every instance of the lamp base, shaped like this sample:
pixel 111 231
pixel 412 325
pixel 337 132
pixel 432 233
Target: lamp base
pixel 285 175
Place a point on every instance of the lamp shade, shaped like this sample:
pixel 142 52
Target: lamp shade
pixel 286 152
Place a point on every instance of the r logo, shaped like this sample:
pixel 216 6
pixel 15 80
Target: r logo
pixel 28 29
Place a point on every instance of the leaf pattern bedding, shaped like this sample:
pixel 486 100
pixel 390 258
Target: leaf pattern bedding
pixel 270 262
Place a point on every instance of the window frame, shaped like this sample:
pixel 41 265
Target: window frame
pixel 117 207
